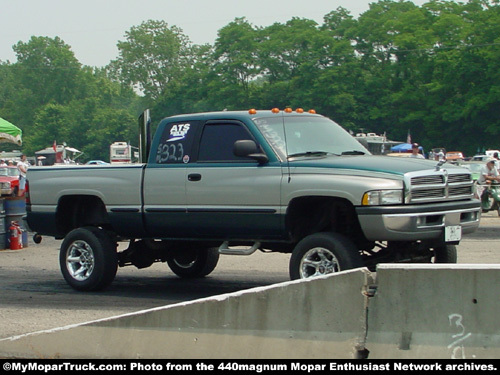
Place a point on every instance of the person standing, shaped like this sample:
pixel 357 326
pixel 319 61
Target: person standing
pixel 22 167
pixel 497 160
pixel 489 174
pixel 415 153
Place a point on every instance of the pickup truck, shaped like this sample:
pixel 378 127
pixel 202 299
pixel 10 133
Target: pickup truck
pixel 234 182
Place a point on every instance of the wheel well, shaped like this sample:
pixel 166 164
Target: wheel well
pixel 308 215
pixel 74 211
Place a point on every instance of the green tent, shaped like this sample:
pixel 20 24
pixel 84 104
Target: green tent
pixel 10 133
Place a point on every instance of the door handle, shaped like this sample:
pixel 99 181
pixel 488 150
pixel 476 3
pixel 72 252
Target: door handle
pixel 194 177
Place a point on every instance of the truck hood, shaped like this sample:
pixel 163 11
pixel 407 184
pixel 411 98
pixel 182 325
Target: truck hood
pixel 380 164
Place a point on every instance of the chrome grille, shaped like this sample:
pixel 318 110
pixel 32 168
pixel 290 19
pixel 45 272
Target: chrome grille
pixel 427 180
pixel 460 190
pixel 441 185
pixel 453 178
pixel 428 193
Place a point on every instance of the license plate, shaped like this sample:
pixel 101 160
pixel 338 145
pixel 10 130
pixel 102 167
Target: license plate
pixel 453 233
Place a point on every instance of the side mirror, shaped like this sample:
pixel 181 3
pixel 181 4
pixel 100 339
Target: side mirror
pixel 249 149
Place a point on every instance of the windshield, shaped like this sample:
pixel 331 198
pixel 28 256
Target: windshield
pixel 6 171
pixel 308 136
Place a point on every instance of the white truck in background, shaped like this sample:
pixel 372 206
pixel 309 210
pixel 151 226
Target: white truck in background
pixel 121 153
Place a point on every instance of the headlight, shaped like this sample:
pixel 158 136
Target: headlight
pixel 5 185
pixel 382 197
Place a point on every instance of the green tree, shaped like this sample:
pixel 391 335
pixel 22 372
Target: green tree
pixel 235 65
pixel 48 68
pixel 152 57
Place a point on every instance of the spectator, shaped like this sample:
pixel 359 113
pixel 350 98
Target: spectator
pixel 415 153
pixel 22 167
pixel 497 161
pixel 489 174
pixel 439 156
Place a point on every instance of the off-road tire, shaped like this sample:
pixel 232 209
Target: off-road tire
pixel 445 254
pixel 191 262
pixel 323 253
pixel 88 259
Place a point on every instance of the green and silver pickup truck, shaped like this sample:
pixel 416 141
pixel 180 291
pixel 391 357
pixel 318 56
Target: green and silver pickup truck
pixel 237 182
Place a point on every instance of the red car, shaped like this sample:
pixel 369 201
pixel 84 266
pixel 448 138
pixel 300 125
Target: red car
pixel 9 180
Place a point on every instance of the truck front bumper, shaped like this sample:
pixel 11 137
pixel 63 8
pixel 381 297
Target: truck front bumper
pixel 418 222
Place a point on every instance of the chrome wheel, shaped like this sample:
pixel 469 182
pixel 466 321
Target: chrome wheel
pixel 88 259
pixel 322 254
pixel 80 260
pixel 318 261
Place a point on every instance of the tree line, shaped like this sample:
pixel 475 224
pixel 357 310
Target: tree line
pixel 431 70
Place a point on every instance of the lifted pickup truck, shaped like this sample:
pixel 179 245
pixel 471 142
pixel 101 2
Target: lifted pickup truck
pixel 237 182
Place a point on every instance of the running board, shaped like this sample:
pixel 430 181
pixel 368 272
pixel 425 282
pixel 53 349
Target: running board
pixel 226 250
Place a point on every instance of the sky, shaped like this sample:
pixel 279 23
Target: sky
pixel 92 28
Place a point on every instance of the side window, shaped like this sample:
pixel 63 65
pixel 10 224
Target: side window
pixel 176 143
pixel 217 142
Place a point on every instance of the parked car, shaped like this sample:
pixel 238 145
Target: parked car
pixel 454 156
pixel 400 154
pixel 96 162
pixel 481 158
pixel 9 180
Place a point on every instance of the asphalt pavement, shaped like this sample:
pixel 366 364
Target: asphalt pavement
pixel 34 295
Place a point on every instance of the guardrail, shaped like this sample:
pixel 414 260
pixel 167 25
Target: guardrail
pixel 402 311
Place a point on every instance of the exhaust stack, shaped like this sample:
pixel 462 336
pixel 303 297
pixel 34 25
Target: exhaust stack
pixel 144 136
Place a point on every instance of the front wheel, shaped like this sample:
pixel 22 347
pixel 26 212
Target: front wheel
pixel 445 254
pixel 322 254
pixel 191 262
pixel 88 259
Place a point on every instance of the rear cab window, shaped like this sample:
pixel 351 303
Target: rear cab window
pixel 176 143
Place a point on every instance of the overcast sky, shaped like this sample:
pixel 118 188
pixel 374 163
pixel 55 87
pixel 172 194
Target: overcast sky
pixel 93 27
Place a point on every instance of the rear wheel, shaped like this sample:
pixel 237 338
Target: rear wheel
pixel 88 259
pixel 190 262
pixel 322 254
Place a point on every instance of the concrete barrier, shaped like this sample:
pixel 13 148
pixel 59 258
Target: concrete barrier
pixel 435 311
pixel 319 318
pixel 404 311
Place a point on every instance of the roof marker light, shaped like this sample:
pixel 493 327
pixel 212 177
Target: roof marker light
pixel 275 110
pixel 299 110
pixel 312 111
pixel 288 110
pixel 252 111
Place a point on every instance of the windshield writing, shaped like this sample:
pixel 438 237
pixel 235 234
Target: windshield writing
pixel 299 136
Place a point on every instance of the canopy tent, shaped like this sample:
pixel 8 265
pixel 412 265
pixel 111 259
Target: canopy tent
pixel 57 154
pixel 405 147
pixel 10 133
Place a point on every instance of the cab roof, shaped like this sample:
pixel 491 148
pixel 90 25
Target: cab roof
pixel 252 114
